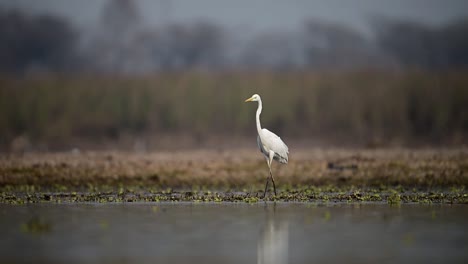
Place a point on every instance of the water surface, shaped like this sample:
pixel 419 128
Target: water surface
pixel 233 233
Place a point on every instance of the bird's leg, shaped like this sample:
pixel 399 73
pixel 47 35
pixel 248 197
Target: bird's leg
pixel 270 161
pixel 268 178
pixel 266 187
pixel 273 181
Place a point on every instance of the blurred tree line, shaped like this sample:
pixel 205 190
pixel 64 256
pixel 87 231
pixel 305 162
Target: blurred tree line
pixel 122 42
pixel 28 42
pixel 368 107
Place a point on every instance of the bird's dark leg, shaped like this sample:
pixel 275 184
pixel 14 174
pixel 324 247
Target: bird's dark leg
pixel 273 181
pixel 266 187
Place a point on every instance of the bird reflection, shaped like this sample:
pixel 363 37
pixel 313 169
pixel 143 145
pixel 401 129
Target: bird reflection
pixel 273 242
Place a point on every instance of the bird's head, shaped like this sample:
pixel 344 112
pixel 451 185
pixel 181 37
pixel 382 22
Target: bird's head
pixel 254 98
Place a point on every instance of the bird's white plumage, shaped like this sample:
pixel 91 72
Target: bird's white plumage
pixel 272 147
pixel 268 140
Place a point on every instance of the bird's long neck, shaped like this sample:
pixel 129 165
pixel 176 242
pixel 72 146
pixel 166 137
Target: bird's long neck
pixel 259 111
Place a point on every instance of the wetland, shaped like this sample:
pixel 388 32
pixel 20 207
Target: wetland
pixel 333 206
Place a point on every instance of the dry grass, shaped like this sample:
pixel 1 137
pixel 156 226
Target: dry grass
pixel 383 108
pixel 242 168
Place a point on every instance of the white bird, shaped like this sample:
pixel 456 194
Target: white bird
pixel 269 143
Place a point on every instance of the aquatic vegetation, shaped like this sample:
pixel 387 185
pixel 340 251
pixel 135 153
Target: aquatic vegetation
pixel 394 198
pixel 327 216
pixel 36 226
pixel 141 194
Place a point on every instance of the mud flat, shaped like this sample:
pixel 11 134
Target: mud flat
pixel 333 175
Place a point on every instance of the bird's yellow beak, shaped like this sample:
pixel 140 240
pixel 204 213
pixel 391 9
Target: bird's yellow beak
pixel 249 100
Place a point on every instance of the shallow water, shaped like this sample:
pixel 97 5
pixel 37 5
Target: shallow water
pixel 233 233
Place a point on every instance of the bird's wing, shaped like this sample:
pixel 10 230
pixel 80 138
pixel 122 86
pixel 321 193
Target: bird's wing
pixel 271 141
pixel 260 146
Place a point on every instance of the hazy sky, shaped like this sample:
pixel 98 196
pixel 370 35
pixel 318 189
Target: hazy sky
pixel 259 14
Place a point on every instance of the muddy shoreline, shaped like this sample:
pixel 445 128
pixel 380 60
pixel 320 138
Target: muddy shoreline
pixel 331 175
pixel 311 195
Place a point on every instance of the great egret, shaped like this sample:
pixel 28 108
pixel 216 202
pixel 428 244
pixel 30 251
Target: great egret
pixel 269 143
